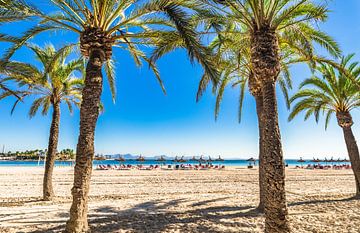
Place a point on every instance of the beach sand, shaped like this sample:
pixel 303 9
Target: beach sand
pixel 178 201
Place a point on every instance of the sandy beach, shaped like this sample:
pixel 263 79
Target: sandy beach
pixel 178 201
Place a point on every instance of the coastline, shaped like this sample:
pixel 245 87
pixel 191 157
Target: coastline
pixel 148 162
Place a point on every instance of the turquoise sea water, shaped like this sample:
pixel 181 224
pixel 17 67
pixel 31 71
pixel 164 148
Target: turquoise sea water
pixel 235 162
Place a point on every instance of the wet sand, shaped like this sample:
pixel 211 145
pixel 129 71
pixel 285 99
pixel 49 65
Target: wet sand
pixel 178 201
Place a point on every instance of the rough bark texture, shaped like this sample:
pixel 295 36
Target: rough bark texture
pixel 89 113
pixel 266 67
pixel 48 192
pixel 345 122
pixel 94 38
pixel 274 170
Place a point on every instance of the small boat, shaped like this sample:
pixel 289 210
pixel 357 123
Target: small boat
pixel 201 159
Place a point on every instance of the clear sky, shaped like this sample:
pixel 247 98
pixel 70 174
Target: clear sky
pixel 145 121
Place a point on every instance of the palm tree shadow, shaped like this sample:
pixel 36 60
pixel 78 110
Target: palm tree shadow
pixel 322 201
pixel 16 202
pixel 160 216
pixel 155 216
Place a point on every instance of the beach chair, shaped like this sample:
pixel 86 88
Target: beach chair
pixel 123 167
pixel 103 167
pixel 168 167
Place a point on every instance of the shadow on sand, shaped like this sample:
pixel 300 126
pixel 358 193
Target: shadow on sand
pixel 160 216
pixel 309 202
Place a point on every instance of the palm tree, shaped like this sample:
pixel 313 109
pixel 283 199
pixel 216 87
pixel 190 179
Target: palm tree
pixel 264 25
pixel 333 93
pixel 233 57
pixel 234 60
pixel 4 82
pixel 51 85
pixel 4 87
pixel 102 26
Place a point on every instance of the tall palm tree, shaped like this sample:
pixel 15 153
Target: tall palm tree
pixel 233 56
pixel 236 71
pixel 102 26
pixel 51 85
pixel 264 24
pixel 333 93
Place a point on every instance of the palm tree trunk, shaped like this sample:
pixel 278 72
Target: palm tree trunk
pixel 89 113
pixel 259 110
pixel 265 61
pixel 275 198
pixel 353 152
pixel 48 192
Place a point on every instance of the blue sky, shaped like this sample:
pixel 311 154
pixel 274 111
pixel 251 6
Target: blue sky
pixel 145 121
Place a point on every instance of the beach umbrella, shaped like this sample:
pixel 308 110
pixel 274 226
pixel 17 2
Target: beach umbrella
pixel 182 160
pixel 301 161
pixel 140 159
pixel 121 159
pixel 175 159
pixel 316 160
pixel 209 160
pixel 325 160
pixel 201 159
pixel 346 160
pixel 219 159
pixel 332 160
pixel 161 159
pixel 251 160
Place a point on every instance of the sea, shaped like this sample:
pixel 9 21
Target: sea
pixel 226 162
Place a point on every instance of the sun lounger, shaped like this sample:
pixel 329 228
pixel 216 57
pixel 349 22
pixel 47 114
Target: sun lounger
pixel 102 167
pixel 123 167
pixel 169 167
